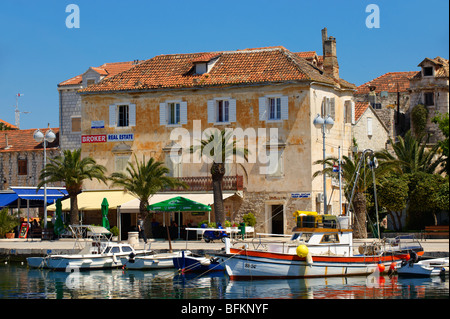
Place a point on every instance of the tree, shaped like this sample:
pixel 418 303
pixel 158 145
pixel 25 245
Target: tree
pixel 144 179
pixel 72 170
pixel 349 167
pixel 411 155
pixel 442 121
pixel 392 194
pixel 219 147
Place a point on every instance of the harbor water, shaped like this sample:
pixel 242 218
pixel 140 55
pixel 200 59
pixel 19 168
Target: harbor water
pixel 17 281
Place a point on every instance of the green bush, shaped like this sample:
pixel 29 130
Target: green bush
pixel 249 219
pixel 7 222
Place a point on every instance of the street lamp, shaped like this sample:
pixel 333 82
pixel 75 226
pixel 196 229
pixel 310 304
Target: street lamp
pixel 323 124
pixel 49 137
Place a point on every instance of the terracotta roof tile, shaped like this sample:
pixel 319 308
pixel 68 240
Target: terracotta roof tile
pixel 360 108
pixel 107 70
pixel 22 140
pixel 441 71
pixel 390 82
pixel 13 127
pixel 249 66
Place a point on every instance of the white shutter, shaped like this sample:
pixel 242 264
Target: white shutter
pixel 284 107
pixel 211 111
pixel 369 126
pixel 232 110
pixel 262 108
pixel 132 114
pixel 333 108
pixel 353 112
pixel 162 114
pixel 183 112
pixel 112 115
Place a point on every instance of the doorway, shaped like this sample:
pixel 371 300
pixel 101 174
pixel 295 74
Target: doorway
pixel 277 218
pixel 125 224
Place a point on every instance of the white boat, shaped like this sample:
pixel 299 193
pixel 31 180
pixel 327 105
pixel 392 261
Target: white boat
pixel 152 261
pixel 96 254
pixel 322 249
pixel 424 268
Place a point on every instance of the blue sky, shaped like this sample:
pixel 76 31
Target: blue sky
pixel 38 51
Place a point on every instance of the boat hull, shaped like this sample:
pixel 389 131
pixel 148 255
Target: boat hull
pixel 157 261
pixel 196 264
pixel 241 264
pixel 425 268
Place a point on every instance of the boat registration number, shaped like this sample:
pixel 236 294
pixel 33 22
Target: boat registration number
pixel 252 266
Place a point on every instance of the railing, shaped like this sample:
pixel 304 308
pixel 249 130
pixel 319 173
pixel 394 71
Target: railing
pixel 204 183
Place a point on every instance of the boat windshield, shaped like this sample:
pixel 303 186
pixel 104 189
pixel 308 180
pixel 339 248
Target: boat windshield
pixel 305 237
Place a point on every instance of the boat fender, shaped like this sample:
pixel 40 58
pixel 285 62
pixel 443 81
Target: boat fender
pixel 309 259
pixel 392 267
pixel 302 251
pixel 131 257
pixel 115 259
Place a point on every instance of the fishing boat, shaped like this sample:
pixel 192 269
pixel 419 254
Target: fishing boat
pixel 197 263
pixel 320 246
pixel 98 253
pixel 424 268
pixel 152 261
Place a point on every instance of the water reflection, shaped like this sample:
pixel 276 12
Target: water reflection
pixel 20 282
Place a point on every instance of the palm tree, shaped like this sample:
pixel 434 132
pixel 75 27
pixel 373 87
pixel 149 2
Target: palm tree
pixel 72 170
pixel 219 147
pixel 349 168
pixel 411 155
pixel 143 180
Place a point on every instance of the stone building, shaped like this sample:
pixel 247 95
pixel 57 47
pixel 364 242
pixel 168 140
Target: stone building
pixel 70 101
pixel 269 95
pixel 22 158
pixel 430 87
pixel 369 130
pixel 389 97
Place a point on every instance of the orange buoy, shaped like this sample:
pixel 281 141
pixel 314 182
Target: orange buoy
pixel 393 265
pixel 381 267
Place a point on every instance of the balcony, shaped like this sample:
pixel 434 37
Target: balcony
pixel 204 183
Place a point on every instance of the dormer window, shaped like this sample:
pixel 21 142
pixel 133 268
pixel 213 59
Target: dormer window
pixel 428 71
pixel 204 63
pixel 90 82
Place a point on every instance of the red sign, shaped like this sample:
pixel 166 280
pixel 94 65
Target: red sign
pixel 93 138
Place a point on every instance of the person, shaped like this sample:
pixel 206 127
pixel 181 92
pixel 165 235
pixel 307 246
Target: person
pixel 141 229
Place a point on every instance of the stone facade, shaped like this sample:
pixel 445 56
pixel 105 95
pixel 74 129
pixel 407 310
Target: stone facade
pixel 432 90
pixel 147 133
pixel 369 130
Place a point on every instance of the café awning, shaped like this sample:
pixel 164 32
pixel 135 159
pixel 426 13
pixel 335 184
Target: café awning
pixel 92 200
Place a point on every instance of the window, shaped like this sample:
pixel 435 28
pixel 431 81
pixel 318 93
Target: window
pixel 275 164
pixel 429 98
pixel 428 71
pixel 274 108
pixel 76 124
pixel 90 82
pixel 349 111
pixel 222 111
pixel 173 163
pixel 22 166
pixel 328 107
pixel 122 115
pixel 126 249
pixel 330 238
pixel 121 162
pixel 376 106
pixel 174 113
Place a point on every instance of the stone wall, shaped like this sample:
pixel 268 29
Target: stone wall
pixel 69 106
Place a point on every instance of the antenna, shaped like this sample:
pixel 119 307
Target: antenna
pixel 17 110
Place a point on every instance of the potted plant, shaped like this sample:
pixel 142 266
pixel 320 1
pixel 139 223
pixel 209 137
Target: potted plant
pixel 115 233
pixel 7 224
pixel 227 224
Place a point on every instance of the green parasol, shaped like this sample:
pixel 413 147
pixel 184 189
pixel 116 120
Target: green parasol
pixel 105 206
pixel 59 225
pixel 179 204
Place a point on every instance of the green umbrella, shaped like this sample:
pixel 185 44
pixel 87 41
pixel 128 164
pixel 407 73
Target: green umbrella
pixel 105 206
pixel 59 226
pixel 179 204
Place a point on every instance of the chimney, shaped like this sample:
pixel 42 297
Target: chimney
pixel 330 63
